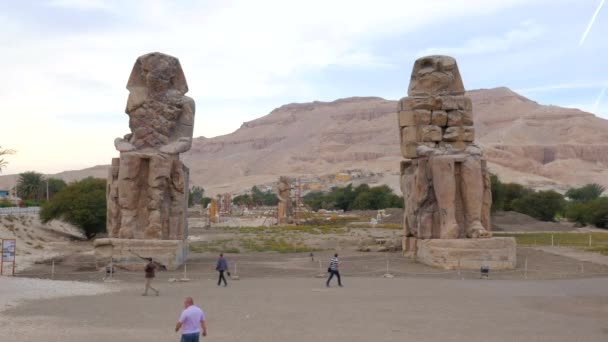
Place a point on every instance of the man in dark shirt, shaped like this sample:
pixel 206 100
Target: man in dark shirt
pixel 221 267
pixel 334 270
pixel 150 274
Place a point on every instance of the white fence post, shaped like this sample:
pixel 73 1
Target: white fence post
pixel 526 268
pixel 589 239
pixel 53 269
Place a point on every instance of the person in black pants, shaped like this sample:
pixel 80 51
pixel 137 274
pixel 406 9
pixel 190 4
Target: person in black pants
pixel 334 269
pixel 221 267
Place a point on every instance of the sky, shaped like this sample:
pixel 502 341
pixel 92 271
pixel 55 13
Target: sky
pixel 65 63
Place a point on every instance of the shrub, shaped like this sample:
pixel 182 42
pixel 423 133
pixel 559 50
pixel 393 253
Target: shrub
pixel 543 205
pixel 82 204
pixel 585 193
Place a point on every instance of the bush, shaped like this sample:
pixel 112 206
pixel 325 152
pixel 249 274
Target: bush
pixel 585 193
pixel 6 204
pixel 363 197
pixel 205 201
pixel 576 212
pixel 543 205
pixel 504 194
pixel 597 212
pixel 82 204
pixel 594 212
pixel 195 195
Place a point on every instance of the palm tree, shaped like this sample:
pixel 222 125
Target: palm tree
pixel 3 162
pixel 31 186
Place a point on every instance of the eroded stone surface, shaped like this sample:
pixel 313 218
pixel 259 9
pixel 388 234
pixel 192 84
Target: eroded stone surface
pixel 148 184
pixel 285 206
pixel 444 180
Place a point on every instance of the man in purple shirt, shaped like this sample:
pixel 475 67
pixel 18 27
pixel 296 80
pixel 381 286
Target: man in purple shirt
pixel 191 321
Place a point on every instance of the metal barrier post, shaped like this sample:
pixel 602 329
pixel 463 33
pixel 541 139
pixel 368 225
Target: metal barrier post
pixel 526 268
pixel 53 269
pixel 589 239
pixel 551 240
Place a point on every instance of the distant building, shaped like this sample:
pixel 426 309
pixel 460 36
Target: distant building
pixel 342 177
pixel 4 194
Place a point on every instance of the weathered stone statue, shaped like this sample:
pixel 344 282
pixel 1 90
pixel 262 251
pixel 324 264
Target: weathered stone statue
pixel 148 184
pixel 444 177
pixel 285 207
pixel 152 182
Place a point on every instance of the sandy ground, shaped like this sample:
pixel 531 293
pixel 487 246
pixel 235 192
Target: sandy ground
pixel 302 309
pixel 38 241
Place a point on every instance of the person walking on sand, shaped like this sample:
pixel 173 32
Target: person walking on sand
pixel 221 267
pixel 150 274
pixel 191 321
pixel 334 270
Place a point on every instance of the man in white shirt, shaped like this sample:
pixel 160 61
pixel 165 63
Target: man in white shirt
pixel 191 321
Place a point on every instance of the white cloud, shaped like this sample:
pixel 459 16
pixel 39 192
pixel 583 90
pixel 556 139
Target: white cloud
pixel 527 32
pixel 239 50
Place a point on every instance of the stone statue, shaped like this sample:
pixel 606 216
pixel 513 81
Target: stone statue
pixel 444 179
pixel 148 184
pixel 285 207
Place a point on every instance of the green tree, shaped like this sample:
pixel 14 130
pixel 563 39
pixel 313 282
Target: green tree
pixel 585 193
pixel 55 186
pixel 195 196
pixel 512 192
pixel 596 212
pixel 363 197
pixel 543 205
pixel 575 212
pixel 4 152
pixel 315 200
pixel 205 201
pixel 82 204
pixel 242 200
pixel 31 186
pixel 260 197
pixel 498 193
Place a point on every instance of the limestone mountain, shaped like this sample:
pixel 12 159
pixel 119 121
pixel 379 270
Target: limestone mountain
pixel 525 142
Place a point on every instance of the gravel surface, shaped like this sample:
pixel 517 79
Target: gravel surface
pixel 16 290
pixel 304 310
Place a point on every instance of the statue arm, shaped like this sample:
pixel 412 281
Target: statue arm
pixel 184 131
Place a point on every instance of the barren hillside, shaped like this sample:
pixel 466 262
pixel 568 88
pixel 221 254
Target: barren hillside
pixel 542 146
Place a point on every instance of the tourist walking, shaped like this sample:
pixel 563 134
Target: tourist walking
pixel 150 274
pixel 221 267
pixel 191 321
pixel 334 270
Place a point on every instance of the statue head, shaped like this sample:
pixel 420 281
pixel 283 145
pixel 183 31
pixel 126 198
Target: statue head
pixel 435 75
pixel 157 73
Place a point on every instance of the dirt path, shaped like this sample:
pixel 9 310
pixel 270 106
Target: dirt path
pixel 577 254
pixel 303 310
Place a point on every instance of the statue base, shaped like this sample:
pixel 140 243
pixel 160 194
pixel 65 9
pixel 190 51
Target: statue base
pixel 498 253
pixel 129 253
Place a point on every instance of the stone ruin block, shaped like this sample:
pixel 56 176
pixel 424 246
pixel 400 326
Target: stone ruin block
pixel 453 134
pixel 454 118
pixel 430 133
pixel 468 133
pixel 439 118
pixel 413 103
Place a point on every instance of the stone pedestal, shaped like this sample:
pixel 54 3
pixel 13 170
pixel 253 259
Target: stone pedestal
pixel 128 253
pixel 499 253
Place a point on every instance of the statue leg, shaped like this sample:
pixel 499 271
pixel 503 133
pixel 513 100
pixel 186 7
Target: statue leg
pixel 158 196
pixel 444 184
pixel 175 230
pixel 128 194
pixel 472 196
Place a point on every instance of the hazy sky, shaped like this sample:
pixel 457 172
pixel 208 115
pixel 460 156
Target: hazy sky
pixel 65 63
